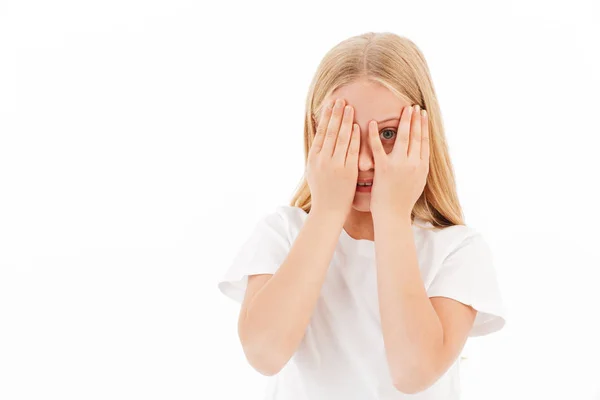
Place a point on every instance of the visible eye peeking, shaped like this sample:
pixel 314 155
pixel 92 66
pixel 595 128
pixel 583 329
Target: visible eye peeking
pixel 387 136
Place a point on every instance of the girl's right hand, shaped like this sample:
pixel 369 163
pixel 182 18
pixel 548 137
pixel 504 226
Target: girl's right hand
pixel 332 165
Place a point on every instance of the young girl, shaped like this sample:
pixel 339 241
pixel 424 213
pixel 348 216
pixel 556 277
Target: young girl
pixel 369 283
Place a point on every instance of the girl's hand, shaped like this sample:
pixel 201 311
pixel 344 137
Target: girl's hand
pixel 400 176
pixel 332 165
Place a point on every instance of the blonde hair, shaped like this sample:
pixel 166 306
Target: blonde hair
pixel 398 64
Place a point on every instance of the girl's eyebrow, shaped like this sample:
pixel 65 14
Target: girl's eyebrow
pixel 389 119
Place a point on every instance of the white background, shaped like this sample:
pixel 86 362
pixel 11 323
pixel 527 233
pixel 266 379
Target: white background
pixel 140 141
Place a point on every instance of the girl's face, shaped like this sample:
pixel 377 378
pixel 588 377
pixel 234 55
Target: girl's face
pixel 371 101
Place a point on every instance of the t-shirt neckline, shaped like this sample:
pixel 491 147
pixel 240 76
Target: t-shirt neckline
pixel 364 246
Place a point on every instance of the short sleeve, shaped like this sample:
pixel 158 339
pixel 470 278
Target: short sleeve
pixel 262 253
pixel 467 275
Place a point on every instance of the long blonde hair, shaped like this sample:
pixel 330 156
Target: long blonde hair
pixel 398 64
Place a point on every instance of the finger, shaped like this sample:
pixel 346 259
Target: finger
pixel 376 146
pixel 414 149
pixel 401 145
pixel 333 128
pixel 425 136
pixel 343 140
pixel 317 144
pixel 354 147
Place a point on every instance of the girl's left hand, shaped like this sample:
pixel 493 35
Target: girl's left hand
pixel 400 176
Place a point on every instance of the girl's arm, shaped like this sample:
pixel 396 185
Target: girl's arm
pixel 423 337
pixel 274 316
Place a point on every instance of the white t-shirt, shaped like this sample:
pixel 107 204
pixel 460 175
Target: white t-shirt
pixel 342 354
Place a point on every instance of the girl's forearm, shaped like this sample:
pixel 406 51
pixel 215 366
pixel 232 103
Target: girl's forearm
pixel 278 315
pixel 412 331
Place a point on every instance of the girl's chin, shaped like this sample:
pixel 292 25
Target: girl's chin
pixel 362 206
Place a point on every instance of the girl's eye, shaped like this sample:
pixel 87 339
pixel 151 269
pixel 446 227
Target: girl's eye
pixel 389 135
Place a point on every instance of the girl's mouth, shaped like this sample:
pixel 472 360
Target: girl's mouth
pixel 363 188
